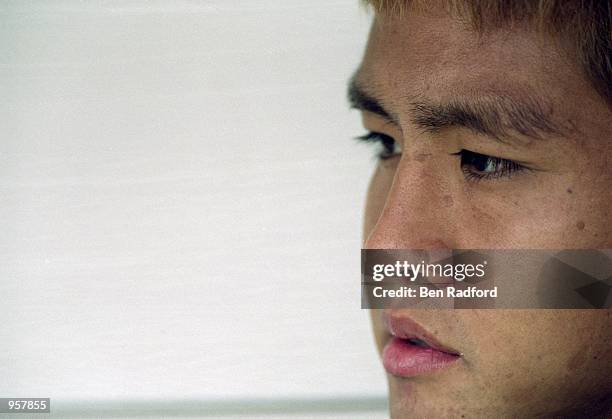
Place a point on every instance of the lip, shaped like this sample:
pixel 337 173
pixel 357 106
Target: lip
pixel 405 359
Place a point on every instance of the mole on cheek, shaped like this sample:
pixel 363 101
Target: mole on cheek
pixel 580 225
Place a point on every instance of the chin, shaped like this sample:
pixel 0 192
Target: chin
pixel 407 400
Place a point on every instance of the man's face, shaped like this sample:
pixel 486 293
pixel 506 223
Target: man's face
pixel 493 140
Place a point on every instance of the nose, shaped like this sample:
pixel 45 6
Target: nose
pixel 418 210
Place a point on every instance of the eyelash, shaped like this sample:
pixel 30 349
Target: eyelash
pixel 388 148
pixel 502 167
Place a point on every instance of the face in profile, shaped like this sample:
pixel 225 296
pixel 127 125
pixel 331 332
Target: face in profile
pixel 487 140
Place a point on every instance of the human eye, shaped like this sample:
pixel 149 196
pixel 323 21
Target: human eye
pixel 477 167
pixel 386 146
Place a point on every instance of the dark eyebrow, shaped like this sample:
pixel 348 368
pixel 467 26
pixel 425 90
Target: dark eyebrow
pixel 496 116
pixel 360 99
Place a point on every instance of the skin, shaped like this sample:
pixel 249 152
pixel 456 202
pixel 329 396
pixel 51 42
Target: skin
pixel 516 363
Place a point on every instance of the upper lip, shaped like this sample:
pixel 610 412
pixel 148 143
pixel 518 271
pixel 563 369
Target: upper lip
pixel 403 327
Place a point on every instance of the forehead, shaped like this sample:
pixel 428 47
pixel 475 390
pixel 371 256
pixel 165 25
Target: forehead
pixel 432 54
pixel 439 57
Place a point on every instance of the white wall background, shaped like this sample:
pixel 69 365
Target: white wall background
pixel 180 201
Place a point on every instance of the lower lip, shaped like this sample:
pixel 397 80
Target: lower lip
pixel 403 359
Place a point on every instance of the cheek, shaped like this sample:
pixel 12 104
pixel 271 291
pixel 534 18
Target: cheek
pixel 532 353
pixel 532 212
pixel 547 216
pixel 588 216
